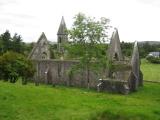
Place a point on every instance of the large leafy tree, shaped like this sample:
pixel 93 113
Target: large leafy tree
pixel 14 65
pixel 88 35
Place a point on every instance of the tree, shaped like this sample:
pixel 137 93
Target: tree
pixel 88 37
pixel 5 39
pixel 127 48
pixel 14 65
pixel 17 45
pixel 152 59
pixel 8 43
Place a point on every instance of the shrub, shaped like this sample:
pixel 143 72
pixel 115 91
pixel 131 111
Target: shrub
pixel 153 59
pixel 14 65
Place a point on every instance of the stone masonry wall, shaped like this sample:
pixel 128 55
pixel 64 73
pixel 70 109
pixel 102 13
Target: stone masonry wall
pixel 56 72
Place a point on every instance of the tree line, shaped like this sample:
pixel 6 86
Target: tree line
pixel 144 48
pixel 14 43
pixel 13 58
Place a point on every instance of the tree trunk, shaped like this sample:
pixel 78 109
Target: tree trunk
pixel 88 75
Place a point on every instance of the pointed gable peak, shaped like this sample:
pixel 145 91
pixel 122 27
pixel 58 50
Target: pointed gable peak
pixel 42 36
pixel 115 48
pixel 135 44
pixel 62 27
pixel 115 37
pixel 62 21
pixel 115 33
pixel 135 50
pixel 35 53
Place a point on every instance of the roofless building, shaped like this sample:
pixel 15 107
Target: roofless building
pixel 124 79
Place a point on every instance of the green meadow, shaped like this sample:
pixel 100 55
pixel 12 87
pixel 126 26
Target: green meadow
pixel 151 72
pixel 44 102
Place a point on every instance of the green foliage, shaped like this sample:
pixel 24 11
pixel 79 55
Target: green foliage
pixel 15 43
pixel 153 59
pixel 27 48
pixel 145 48
pixel 14 65
pixel 88 46
pixel 88 30
pixel 5 39
pixel 29 102
pixel 127 48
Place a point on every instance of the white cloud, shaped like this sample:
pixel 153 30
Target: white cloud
pixel 134 19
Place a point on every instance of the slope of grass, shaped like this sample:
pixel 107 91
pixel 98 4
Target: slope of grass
pixel 150 71
pixel 29 102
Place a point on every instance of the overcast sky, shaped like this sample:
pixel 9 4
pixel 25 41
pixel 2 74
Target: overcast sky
pixel 135 19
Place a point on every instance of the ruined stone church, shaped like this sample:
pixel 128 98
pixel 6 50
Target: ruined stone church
pixel 51 71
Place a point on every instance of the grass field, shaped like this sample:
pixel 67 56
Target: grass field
pixel 150 71
pixel 29 102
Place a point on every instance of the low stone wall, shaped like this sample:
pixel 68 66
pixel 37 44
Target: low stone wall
pixel 113 85
pixel 56 72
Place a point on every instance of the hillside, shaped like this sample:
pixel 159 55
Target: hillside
pixel 149 42
pixel 18 102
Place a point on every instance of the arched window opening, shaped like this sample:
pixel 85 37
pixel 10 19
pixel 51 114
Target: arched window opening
pixel 44 55
pixel 115 56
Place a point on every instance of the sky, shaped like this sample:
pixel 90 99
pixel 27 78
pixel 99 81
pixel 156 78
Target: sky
pixel 136 20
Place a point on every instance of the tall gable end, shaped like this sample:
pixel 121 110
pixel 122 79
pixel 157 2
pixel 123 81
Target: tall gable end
pixel 115 52
pixel 135 63
pixel 41 49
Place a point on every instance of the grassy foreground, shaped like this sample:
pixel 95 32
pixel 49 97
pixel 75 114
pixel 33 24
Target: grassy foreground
pixel 150 71
pixel 29 102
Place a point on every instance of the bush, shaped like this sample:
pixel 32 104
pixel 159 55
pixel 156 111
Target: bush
pixel 14 65
pixel 153 59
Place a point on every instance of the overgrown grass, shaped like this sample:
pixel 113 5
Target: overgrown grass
pixel 150 71
pixel 42 102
